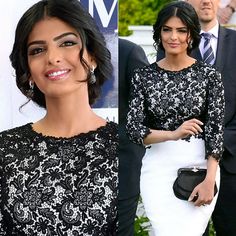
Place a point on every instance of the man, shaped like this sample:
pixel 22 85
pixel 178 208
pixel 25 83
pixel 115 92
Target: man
pixel 223 43
pixel 131 56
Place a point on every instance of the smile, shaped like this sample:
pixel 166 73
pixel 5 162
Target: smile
pixel 173 45
pixel 56 75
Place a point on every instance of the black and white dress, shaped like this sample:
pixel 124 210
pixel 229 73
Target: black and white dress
pixel 58 186
pixel 163 100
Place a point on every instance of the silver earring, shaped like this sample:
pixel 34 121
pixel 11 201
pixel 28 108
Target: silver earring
pixel 31 84
pixel 190 45
pixel 157 44
pixel 31 90
pixel 92 78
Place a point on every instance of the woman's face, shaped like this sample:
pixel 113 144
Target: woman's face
pixel 53 58
pixel 175 36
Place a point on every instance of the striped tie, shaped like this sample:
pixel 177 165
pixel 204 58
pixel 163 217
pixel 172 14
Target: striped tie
pixel 208 55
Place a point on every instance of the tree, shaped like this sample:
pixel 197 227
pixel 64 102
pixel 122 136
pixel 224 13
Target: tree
pixel 138 12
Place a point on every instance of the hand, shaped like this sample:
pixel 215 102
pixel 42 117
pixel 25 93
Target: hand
pixel 224 15
pixel 189 127
pixel 203 193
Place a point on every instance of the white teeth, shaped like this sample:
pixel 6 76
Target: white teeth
pixel 57 73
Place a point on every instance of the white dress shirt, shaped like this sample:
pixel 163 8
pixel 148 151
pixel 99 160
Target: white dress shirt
pixel 214 40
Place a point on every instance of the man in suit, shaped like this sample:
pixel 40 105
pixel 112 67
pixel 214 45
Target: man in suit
pixel 223 43
pixel 131 56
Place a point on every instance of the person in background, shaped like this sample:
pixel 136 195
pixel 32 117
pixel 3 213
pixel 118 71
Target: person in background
pixel 222 41
pixel 131 56
pixel 226 12
pixel 59 175
pixel 174 110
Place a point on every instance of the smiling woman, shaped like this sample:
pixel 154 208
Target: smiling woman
pixel 53 56
pixel 182 119
pixel 59 175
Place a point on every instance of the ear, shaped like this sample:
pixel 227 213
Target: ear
pixel 92 62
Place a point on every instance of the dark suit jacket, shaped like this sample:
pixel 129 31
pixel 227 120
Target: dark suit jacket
pixel 225 63
pixel 131 56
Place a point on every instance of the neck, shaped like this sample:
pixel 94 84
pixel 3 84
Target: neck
pixel 206 26
pixel 67 117
pixel 176 62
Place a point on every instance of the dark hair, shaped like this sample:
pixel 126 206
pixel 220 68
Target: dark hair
pixel 74 14
pixel 186 13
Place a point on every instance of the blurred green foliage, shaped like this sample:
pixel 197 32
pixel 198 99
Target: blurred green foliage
pixel 138 12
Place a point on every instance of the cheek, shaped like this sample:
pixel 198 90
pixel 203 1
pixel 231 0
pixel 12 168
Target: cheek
pixel 35 67
pixel 185 40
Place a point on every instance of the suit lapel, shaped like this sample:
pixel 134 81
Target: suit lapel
pixel 196 54
pixel 221 48
pixel 220 52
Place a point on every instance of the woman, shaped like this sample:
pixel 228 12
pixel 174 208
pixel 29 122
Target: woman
pixel 59 174
pixel 177 107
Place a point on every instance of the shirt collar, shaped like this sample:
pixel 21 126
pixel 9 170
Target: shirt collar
pixel 214 31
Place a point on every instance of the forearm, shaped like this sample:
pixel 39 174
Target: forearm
pixel 212 165
pixel 158 136
pixel 187 128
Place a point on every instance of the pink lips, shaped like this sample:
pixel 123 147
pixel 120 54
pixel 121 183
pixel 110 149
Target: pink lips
pixel 57 74
pixel 173 45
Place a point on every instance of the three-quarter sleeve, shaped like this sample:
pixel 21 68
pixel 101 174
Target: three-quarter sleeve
pixel 136 129
pixel 214 124
pixel 1 204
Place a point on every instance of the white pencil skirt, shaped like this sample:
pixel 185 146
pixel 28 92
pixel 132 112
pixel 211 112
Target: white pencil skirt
pixel 168 214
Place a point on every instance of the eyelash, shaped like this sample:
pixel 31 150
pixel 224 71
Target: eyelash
pixel 68 44
pixel 36 51
pixel 168 30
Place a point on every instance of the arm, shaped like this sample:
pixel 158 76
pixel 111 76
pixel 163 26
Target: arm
pixel 213 138
pixel 189 127
pixel 225 13
pixel 136 129
pixel 1 174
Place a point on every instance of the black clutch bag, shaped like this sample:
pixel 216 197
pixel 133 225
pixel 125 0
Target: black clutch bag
pixel 187 180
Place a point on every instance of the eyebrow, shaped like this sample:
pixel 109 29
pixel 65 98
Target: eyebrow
pixel 54 39
pixel 184 27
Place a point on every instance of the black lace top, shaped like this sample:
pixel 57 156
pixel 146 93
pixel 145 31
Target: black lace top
pixel 163 100
pixel 58 186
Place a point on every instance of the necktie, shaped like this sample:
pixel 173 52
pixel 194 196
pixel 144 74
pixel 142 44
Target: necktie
pixel 208 55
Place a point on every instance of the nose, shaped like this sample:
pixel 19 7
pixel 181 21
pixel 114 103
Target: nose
pixel 54 56
pixel 173 35
pixel 205 2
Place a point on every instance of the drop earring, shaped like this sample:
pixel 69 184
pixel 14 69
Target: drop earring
pixel 157 44
pixel 92 78
pixel 31 90
pixel 190 45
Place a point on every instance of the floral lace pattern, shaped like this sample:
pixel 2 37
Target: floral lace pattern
pixel 163 100
pixel 58 186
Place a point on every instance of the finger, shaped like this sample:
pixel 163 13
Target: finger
pixel 197 127
pixel 193 196
pixel 188 132
pixel 193 128
pixel 197 121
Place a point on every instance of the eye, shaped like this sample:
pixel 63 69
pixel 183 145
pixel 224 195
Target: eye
pixel 35 51
pixel 166 29
pixel 183 30
pixel 68 44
